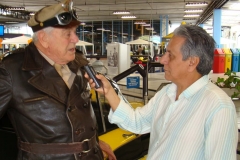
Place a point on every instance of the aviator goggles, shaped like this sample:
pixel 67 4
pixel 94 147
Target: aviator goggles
pixel 61 19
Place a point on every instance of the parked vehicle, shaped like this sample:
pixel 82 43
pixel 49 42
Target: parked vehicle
pixel 126 145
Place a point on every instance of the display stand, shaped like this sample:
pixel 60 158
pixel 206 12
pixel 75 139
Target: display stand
pixel 118 58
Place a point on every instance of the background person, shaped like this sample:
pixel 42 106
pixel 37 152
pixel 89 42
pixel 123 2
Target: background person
pixel 50 108
pixel 139 51
pixel 189 119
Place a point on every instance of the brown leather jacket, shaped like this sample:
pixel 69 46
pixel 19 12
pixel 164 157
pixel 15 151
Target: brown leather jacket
pixel 41 107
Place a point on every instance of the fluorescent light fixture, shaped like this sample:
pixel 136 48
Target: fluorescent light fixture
pixel 129 17
pixel 15 8
pixel 107 30
pixel 191 15
pixel 193 10
pixel 196 3
pixel 100 29
pixel 189 19
pixel 146 25
pixel 121 12
pixel 234 6
pixel 32 14
pixel 139 22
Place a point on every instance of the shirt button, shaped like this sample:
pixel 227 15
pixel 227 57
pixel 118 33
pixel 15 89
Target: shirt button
pixel 85 104
pixel 95 150
pixel 77 131
pixel 94 128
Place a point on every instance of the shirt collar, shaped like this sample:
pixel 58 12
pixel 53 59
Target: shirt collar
pixel 191 90
pixel 48 59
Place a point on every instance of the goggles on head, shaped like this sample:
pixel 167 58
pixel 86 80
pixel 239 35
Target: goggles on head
pixel 66 17
pixel 61 19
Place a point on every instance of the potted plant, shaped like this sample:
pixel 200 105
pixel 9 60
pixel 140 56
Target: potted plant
pixel 231 84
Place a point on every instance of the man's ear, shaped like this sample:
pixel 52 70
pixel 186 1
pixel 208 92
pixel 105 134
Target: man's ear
pixel 43 38
pixel 193 62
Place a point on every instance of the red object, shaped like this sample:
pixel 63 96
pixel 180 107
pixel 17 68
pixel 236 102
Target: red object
pixel 140 62
pixel 218 61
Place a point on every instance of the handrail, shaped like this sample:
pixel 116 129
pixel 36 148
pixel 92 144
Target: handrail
pixel 143 72
pixel 137 67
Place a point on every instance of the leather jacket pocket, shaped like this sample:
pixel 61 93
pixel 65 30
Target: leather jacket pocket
pixel 35 99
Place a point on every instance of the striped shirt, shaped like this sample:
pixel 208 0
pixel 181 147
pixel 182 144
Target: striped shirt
pixel 200 125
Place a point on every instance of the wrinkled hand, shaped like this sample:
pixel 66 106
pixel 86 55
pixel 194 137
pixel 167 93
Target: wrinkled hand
pixel 107 151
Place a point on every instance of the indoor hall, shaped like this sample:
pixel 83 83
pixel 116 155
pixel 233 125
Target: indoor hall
pixel 108 34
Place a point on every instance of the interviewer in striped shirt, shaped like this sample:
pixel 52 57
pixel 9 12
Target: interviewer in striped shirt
pixel 189 119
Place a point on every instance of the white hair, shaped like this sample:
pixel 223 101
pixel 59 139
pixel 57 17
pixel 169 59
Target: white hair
pixel 47 30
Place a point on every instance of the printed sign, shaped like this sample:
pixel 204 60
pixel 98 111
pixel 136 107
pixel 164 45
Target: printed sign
pixel 133 82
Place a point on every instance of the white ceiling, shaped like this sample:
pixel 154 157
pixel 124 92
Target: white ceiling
pixel 97 10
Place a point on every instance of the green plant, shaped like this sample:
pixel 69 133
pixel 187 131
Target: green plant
pixel 232 81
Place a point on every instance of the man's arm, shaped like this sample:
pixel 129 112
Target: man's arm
pixel 5 89
pixel 221 135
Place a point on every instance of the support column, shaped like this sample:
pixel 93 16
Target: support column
pixel 167 24
pixel 160 29
pixel 217 14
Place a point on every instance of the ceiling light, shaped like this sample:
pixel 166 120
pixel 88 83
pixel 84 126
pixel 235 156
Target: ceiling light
pixel 82 23
pixel 139 22
pixel 121 12
pixel 15 8
pixel 189 19
pixel 193 10
pixel 234 6
pixel 128 17
pixel 32 14
pixel 107 30
pixel 191 15
pixel 196 3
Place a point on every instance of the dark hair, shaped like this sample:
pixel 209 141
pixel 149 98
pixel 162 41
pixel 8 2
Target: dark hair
pixel 198 43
